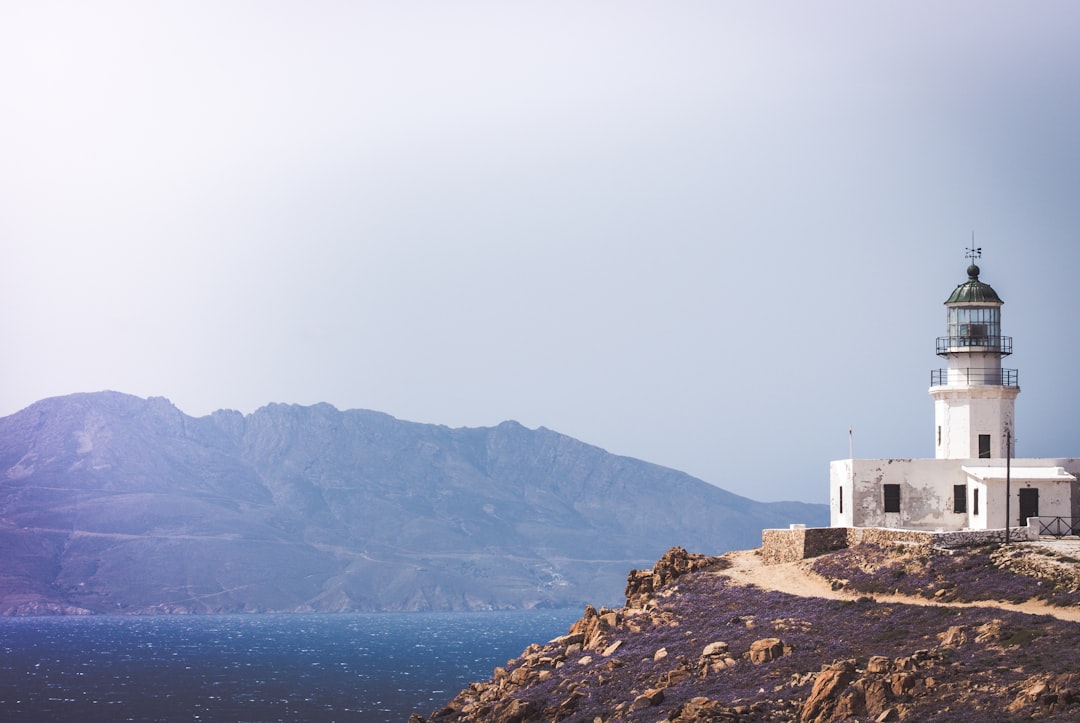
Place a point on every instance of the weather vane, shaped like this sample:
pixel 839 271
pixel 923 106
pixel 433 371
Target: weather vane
pixel 975 252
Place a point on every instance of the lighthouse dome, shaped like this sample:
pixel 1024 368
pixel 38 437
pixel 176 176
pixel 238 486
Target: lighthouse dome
pixel 974 291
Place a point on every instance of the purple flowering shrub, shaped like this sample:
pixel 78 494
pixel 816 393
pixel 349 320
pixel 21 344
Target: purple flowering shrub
pixel 962 574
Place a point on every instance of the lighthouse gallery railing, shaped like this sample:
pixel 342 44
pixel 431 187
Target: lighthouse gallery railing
pixel 975 377
pixel 1002 345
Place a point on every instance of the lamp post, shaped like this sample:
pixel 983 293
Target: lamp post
pixel 1008 471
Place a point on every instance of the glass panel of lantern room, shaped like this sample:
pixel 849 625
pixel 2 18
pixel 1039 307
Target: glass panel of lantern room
pixel 974 325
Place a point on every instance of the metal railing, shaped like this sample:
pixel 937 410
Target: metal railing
pixel 997 344
pixel 974 377
pixel 1058 526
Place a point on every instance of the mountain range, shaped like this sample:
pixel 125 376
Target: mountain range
pixel 111 503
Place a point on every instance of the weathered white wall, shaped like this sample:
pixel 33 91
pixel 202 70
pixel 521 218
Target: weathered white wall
pixel 978 518
pixel 1055 500
pixel 926 493
pixel 840 488
pixel 963 413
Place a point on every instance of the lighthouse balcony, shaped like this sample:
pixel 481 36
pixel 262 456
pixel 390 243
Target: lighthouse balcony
pixel 974 378
pixel 1001 345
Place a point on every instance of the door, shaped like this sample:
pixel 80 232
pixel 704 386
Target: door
pixel 1029 504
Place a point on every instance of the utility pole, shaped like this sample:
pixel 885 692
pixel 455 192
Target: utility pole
pixel 1008 471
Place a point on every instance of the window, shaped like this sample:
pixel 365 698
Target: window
pixel 974 326
pixel 959 498
pixel 984 446
pixel 841 500
pixel 892 498
pixel 975 501
pixel 939 435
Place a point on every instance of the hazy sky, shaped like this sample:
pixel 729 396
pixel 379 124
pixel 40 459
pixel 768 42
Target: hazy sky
pixel 711 235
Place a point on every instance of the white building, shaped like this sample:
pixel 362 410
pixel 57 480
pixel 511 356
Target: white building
pixel 964 486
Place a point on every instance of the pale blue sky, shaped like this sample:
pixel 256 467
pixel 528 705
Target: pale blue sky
pixel 711 235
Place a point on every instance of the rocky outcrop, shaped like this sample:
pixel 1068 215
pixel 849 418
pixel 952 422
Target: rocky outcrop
pixel 690 646
pixel 1043 695
pixel 641 585
pixel 882 690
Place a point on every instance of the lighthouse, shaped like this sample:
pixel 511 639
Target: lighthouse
pixel 974 397
pixel 973 483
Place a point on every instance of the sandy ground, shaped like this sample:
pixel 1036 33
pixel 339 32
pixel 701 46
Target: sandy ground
pixel 796 578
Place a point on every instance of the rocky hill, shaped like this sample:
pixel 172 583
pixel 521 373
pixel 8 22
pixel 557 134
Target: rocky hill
pixel 113 503
pixel 705 638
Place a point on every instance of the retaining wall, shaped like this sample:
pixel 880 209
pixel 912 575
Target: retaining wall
pixel 799 543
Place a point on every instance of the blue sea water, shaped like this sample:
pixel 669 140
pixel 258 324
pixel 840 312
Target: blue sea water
pixel 348 667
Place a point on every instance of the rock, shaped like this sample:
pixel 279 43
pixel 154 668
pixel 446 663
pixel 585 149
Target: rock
pixel 903 683
pixel 574 638
pixel 876 695
pixel 641 585
pixel 954 637
pixel 766 649
pixel 594 628
pixel 514 710
pixel 648 699
pixel 991 632
pixel 906 663
pixel 825 696
pixel 611 648
pixel 704 710
pixel 674 677
pixel 585 660
pixel 660 654
pixel 1044 694
pixel 717 648
pixel 569 705
pixel 715 657
pixel 781 624
pixel 878 664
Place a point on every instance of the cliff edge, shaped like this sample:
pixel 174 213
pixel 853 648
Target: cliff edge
pixel 864 634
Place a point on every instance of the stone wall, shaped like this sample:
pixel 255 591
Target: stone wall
pixel 799 543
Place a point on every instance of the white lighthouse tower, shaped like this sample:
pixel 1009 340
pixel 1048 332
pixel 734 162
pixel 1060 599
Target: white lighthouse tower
pixel 974 397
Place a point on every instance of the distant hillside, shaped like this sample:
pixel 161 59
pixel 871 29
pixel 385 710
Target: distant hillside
pixel 112 503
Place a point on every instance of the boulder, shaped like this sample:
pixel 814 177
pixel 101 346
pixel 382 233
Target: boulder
pixel 717 648
pixel 513 710
pixel 954 637
pixel 648 699
pixel 824 698
pixel 766 649
pixel 878 664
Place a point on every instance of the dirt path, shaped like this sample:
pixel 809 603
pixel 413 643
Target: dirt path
pixel 796 578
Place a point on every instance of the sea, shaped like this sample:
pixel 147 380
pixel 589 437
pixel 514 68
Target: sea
pixel 368 667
